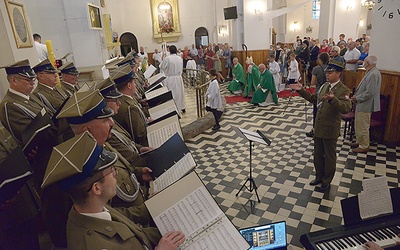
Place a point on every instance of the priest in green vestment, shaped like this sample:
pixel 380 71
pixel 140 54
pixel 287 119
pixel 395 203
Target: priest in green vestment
pixel 239 80
pixel 253 78
pixel 266 91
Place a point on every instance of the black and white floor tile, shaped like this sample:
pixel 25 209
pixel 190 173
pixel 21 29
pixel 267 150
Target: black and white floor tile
pixel 282 170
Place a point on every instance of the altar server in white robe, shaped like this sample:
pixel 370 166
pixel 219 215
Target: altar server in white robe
pixel 172 66
pixel 275 69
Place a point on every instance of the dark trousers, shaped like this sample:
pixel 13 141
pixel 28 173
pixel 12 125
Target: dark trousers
pixel 314 112
pixel 217 114
pixel 325 159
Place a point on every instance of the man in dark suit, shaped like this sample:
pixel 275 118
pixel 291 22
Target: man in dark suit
pixel 332 100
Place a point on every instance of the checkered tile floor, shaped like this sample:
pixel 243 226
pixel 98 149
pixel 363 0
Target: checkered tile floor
pixel 283 170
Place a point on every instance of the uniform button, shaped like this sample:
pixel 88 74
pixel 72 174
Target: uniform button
pixel 89 232
pixel 108 228
pixel 128 187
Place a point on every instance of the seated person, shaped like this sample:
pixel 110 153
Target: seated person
pixel 266 91
pixel 237 84
pixel 87 173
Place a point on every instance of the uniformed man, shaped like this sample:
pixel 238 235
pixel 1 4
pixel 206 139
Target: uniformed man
pixel 17 110
pixel 17 215
pixel 87 111
pixel 130 115
pixel 69 76
pixel 332 100
pixel 88 173
pixel 120 138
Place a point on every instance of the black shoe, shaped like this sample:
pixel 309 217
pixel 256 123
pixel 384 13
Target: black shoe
pixel 310 134
pixel 216 127
pixel 183 110
pixel 323 187
pixel 315 182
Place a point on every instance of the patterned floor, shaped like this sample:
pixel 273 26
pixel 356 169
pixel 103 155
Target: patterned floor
pixel 282 170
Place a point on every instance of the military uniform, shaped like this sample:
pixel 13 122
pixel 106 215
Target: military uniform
pixel 86 232
pixel 17 225
pixel 327 127
pixel 56 96
pixel 69 88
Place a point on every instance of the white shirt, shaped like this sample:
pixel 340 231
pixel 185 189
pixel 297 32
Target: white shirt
pixel 352 55
pixel 41 50
pixel 141 57
pixel 213 95
pixel 157 57
pixel 294 72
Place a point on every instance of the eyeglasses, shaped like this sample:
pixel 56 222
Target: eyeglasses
pixel 113 170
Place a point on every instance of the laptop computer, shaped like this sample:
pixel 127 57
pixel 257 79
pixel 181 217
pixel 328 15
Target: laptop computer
pixel 266 237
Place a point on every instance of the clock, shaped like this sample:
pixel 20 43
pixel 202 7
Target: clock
pixel 388 8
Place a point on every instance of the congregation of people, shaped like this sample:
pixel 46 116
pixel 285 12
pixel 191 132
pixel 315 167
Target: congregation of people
pixel 90 182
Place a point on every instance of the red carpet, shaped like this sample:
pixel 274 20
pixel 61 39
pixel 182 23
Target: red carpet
pixel 287 93
pixel 236 98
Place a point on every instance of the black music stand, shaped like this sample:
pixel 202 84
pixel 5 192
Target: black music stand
pixel 252 137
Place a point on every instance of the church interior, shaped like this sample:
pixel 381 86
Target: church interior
pixel 91 33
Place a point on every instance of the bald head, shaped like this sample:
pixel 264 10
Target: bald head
pixel 261 67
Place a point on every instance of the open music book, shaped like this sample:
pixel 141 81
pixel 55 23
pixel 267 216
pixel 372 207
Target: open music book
pixel 155 82
pixel 253 136
pixel 149 71
pixel 187 206
pixel 163 109
pixel 160 130
pixel 169 162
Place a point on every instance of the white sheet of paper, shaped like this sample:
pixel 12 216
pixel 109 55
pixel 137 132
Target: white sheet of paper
pixel 156 92
pixel 160 132
pixel 105 72
pixel 150 71
pixel 375 198
pixel 162 109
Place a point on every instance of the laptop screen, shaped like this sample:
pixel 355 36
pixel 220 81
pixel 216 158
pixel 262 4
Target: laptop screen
pixel 270 236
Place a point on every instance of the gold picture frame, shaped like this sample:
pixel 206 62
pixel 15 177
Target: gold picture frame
pixel 165 16
pixel 19 24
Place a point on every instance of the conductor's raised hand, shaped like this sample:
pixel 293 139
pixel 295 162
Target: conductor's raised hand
pixel 171 241
pixel 295 86
pixel 329 96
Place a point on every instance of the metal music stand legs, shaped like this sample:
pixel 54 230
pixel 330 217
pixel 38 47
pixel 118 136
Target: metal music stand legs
pixel 250 179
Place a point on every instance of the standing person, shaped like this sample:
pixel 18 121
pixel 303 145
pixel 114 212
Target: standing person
pixel 228 60
pixel 209 58
pixel 217 65
pixel 200 56
pixel 253 78
pixel 266 92
pixel 351 57
pixel 191 69
pixel 214 103
pixel 293 70
pixel 172 66
pixel 324 47
pixel 332 100
pixel 41 49
pixel 157 57
pixel 239 81
pixel 88 174
pixel 318 79
pixel 142 55
pixel 335 54
pixel 275 70
pixel 194 53
pixel 367 99
pixel 343 49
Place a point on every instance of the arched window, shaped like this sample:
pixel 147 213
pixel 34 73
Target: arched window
pixel 201 37
pixel 128 43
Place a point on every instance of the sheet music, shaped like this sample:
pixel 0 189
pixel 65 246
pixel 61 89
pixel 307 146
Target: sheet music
pixel 153 79
pixel 375 198
pixel 161 131
pixel 174 173
pixel 162 109
pixel 149 72
pixel 187 206
pixel 252 136
pixel 156 92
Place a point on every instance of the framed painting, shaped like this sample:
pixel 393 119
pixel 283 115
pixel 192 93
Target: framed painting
pixel 19 25
pixel 166 26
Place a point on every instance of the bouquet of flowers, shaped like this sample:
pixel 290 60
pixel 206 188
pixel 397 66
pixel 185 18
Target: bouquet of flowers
pixel 167 28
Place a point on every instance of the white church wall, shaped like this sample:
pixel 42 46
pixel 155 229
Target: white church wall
pixel 347 17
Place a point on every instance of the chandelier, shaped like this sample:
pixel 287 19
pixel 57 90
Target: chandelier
pixel 368 4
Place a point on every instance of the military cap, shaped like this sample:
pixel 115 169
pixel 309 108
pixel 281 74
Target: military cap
pixel 334 65
pixel 123 74
pixel 45 66
pixel 69 68
pixel 21 68
pixel 107 89
pixel 135 55
pixel 112 64
pixel 127 60
pixel 83 107
pixel 75 160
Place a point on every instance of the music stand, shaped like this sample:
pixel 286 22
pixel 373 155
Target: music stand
pixel 252 137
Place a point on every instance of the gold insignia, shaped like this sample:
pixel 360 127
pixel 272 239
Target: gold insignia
pixel 128 187
pixel 346 97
